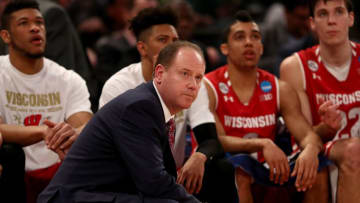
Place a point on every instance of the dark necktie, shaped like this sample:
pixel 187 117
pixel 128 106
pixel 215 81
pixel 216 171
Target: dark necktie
pixel 171 133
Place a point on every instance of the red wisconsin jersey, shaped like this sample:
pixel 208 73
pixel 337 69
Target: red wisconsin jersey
pixel 320 83
pixel 255 119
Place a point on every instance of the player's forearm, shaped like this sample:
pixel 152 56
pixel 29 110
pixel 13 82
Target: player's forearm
pixel 236 145
pixel 22 135
pixel 324 131
pixel 311 139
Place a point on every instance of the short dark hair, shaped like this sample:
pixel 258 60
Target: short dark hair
pixel 150 17
pixel 241 16
pixel 312 4
pixel 167 54
pixel 14 6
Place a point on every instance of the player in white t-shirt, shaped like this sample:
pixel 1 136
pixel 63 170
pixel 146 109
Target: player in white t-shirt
pixel 36 91
pixel 154 29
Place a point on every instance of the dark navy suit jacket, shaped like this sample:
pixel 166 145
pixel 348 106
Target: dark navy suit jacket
pixel 122 155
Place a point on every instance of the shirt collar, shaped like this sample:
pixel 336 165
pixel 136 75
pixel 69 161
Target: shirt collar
pixel 167 114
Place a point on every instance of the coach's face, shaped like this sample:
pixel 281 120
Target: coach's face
pixel 179 83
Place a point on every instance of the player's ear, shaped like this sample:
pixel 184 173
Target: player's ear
pixel 5 36
pixel 141 47
pixel 351 18
pixel 224 49
pixel 312 24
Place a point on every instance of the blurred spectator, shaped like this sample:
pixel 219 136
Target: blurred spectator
pixel 355 30
pixel 65 3
pixel 3 48
pixel 118 49
pixel 88 18
pixel 187 22
pixel 285 31
pixel 142 4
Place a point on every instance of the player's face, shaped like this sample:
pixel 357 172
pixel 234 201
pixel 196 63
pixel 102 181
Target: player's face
pixel 26 33
pixel 244 46
pixel 331 21
pixel 160 36
pixel 181 81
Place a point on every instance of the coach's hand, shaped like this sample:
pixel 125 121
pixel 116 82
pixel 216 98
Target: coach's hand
pixel 192 173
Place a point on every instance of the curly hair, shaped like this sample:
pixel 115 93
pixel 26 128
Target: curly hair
pixel 14 6
pixel 150 17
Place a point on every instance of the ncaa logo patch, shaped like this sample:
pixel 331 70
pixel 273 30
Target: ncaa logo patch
pixel 313 65
pixel 223 88
pixel 265 86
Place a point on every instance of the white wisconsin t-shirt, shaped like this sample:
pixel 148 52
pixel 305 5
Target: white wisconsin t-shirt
pixel 199 113
pixel 54 94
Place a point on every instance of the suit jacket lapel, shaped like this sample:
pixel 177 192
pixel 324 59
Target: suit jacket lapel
pixel 169 161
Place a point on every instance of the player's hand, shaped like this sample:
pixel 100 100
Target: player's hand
pixel 306 168
pixel 62 135
pixel 330 115
pixel 192 173
pixel 278 163
pixel 59 137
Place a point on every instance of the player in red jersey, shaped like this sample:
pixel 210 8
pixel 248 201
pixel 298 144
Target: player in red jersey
pixel 246 102
pixel 330 71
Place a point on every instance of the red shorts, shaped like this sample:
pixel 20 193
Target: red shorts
pixel 37 180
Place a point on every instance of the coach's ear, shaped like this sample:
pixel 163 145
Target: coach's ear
pixel 224 49
pixel 159 74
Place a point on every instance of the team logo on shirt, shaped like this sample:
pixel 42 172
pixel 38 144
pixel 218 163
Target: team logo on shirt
pixel 313 65
pixel 223 88
pixel 230 98
pixel 266 97
pixel 265 86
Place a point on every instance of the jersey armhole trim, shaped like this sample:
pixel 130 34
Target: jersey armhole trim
pixel 214 91
pixel 302 70
pixel 277 94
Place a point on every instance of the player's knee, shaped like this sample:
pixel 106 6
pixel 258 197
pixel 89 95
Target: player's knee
pixel 351 158
pixel 243 180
